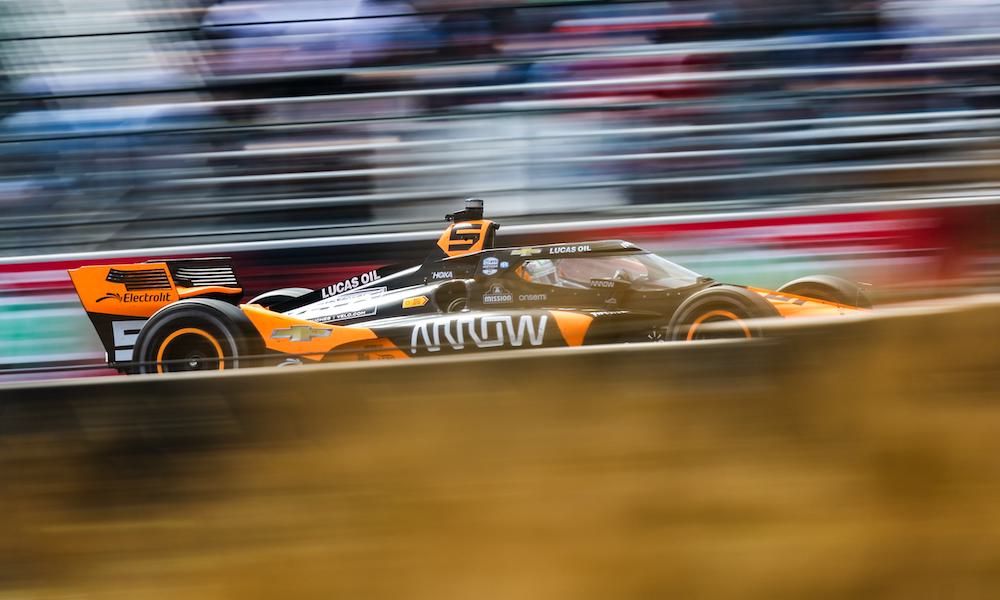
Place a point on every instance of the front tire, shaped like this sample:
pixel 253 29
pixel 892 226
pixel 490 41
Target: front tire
pixel 728 304
pixel 196 335
pixel 830 289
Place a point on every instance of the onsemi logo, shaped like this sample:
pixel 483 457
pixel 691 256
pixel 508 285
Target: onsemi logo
pixel 482 332
pixel 130 297
pixel 299 333
pixel 532 297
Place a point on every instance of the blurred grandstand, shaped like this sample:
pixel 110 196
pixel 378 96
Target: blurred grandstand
pixel 138 126
pixel 128 123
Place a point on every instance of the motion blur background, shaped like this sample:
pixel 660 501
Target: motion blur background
pixel 752 140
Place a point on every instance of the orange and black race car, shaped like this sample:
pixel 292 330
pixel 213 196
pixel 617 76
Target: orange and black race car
pixel 467 296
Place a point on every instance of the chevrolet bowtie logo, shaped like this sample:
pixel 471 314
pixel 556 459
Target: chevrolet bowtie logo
pixel 299 333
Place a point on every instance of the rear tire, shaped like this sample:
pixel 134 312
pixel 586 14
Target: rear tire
pixel 197 335
pixel 828 288
pixel 720 304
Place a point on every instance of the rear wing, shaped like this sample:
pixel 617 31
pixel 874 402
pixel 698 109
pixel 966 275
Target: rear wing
pixel 120 298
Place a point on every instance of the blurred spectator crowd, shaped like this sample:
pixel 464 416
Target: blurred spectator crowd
pixel 138 123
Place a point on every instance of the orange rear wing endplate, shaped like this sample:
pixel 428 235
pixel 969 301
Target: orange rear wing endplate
pixel 120 298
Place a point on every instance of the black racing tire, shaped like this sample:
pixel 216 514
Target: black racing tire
pixel 197 334
pixel 721 303
pixel 274 297
pixel 830 289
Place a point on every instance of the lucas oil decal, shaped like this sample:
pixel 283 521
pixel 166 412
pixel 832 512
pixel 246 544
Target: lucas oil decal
pixel 499 331
pixel 569 249
pixel 349 284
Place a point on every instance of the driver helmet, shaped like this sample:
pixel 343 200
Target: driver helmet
pixel 542 271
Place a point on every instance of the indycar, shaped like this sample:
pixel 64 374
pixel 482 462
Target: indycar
pixel 467 296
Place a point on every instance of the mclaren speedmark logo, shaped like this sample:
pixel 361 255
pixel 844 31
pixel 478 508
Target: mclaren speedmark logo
pixel 299 333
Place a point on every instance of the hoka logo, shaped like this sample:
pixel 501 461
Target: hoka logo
pixel 481 332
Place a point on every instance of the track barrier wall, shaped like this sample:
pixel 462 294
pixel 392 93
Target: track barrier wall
pixel 855 457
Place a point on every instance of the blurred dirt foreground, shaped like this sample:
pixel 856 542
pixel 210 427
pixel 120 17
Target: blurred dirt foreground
pixel 850 459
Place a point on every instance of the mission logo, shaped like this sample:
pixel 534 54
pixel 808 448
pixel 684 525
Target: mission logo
pixel 497 295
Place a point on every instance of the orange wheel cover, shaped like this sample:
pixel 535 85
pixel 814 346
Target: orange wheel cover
pixel 188 330
pixel 717 313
